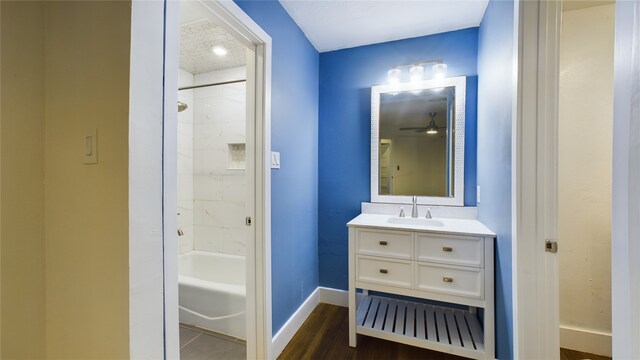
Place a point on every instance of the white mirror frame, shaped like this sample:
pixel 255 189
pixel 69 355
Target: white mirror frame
pixel 460 85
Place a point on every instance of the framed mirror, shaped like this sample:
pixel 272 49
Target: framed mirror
pixel 417 142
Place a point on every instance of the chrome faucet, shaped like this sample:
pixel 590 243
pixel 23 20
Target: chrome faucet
pixel 401 212
pixel 414 209
pixel 428 216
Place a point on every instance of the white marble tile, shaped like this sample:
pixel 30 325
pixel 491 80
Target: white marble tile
pixel 221 75
pixel 185 135
pixel 208 136
pixel 217 109
pixel 207 187
pixel 227 214
pixel 209 161
pixel 234 188
pixel 234 132
pixel 207 92
pixel 185 78
pixel 215 239
pixel 186 241
pixel 185 187
pixel 185 161
pixel 186 211
pixel 185 94
pixel 235 92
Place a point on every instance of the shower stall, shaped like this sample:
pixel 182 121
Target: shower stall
pixel 211 199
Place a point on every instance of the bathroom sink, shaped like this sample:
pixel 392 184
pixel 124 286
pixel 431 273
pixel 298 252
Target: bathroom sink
pixel 414 221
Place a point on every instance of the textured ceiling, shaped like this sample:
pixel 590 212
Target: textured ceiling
pixel 198 37
pixel 332 25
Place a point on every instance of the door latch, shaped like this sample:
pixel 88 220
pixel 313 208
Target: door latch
pixel 248 220
pixel 551 246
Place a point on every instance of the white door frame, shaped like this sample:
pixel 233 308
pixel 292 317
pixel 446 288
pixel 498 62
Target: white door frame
pixel 228 15
pixel 535 156
pixel 535 174
pixel 625 249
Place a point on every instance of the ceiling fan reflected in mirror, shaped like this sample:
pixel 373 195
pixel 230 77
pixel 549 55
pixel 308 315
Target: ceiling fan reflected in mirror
pixel 431 129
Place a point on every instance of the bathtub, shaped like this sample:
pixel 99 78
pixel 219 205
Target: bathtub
pixel 212 292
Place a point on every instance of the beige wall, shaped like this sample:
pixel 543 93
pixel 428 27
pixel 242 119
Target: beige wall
pixel 585 135
pixel 22 239
pixel 86 206
pixel 63 224
pixel 423 165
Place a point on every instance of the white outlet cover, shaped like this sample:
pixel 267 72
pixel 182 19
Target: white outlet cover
pixel 478 194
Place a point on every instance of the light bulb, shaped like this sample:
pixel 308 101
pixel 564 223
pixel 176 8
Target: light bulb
pixel 439 71
pixel 416 73
pixel 393 76
pixel 219 50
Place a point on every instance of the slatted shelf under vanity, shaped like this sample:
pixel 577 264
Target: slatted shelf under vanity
pixel 451 330
pixel 451 265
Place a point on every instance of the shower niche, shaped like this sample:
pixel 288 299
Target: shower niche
pixel 237 156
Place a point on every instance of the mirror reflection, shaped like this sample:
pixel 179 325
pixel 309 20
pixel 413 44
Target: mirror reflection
pixel 415 148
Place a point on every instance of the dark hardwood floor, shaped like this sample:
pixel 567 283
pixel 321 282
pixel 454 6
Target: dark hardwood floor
pixel 567 354
pixel 325 335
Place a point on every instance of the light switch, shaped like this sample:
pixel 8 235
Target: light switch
pixel 90 146
pixel 275 160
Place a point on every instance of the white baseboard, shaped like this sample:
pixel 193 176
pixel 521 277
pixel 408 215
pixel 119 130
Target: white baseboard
pixel 291 327
pixel 585 340
pixel 334 296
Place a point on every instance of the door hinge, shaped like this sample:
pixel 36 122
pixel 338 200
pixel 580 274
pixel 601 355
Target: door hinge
pixel 551 246
pixel 248 220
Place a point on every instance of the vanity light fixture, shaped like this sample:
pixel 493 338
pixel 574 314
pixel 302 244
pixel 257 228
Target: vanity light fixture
pixel 439 71
pixel 220 50
pixel 393 76
pixel 416 71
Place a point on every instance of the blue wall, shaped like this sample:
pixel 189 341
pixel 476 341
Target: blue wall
pixel 346 77
pixel 495 97
pixel 294 132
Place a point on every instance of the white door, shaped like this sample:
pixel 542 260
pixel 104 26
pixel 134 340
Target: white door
pixel 536 293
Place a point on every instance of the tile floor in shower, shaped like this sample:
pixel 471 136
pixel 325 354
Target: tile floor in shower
pixel 197 344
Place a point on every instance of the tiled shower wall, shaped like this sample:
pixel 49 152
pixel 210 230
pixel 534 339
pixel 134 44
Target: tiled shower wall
pixel 185 164
pixel 218 187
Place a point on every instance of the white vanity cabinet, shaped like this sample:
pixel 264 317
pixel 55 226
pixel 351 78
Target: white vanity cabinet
pixel 451 264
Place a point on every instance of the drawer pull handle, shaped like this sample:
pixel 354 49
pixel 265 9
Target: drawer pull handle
pixel 447 249
pixel 384 271
pixel 383 243
pixel 447 279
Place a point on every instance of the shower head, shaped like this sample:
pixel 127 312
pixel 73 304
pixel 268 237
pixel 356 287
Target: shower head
pixel 182 106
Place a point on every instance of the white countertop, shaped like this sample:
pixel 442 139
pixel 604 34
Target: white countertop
pixel 451 226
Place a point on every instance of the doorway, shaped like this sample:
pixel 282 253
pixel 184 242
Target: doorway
pixel 535 153
pixel 216 183
pixel 585 166
pixel 212 188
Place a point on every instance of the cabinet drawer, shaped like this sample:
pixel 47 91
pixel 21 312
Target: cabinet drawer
pixel 395 244
pixel 385 272
pixel 450 249
pixel 451 280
